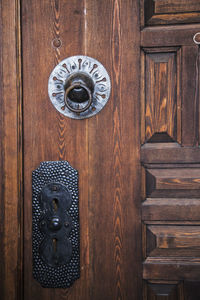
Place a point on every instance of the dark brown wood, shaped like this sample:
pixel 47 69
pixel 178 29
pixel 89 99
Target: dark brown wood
pixel 171 12
pixel 169 153
pixel 47 134
pixel 174 18
pixel 11 152
pixel 2 273
pixel 190 88
pixel 171 209
pixel 162 94
pixel 173 240
pixel 170 191
pixel 173 182
pixel 155 290
pixel 128 212
pixel 191 290
pixel 178 6
pixel 110 218
pixel 115 213
pixel 171 268
pixel 169 35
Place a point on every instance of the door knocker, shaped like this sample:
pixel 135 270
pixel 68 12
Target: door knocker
pixel 79 87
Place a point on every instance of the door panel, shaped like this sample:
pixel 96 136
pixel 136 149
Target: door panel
pixel 159 12
pixel 138 159
pixel 170 140
pixel 161 100
pixel 161 291
pixel 109 181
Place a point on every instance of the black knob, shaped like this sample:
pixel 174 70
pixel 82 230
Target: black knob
pixel 55 223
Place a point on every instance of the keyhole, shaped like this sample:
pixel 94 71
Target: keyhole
pixel 55 204
pixel 55 245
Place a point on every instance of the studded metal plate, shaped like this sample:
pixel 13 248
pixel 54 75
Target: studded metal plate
pixel 55 219
pixel 82 64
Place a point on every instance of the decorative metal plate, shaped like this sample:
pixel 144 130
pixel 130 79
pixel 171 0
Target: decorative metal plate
pixel 55 224
pixel 79 64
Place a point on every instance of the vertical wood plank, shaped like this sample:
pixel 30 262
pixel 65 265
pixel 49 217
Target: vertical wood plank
pixel 190 95
pixel 114 153
pixel 50 37
pixel 11 151
pixel 2 273
pixel 142 95
pixel 179 96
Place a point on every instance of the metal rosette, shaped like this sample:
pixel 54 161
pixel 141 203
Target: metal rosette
pixel 79 64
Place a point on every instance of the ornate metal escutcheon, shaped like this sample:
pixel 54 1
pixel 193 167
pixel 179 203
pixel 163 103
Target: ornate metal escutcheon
pixel 79 87
pixel 55 224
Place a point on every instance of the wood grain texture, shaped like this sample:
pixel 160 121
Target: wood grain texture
pixel 172 182
pixel 96 147
pixel 162 290
pixel 178 6
pixel 105 149
pixel 185 209
pixel 2 274
pixel 47 134
pixel 171 12
pixel 114 153
pixel 171 240
pixel 162 94
pixel 11 152
pixel 171 290
pixel 169 268
pixel 169 153
pixel 175 35
pixel 171 210
pixel 190 90
pixel 168 19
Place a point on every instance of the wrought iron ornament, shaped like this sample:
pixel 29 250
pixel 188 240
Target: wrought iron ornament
pixel 79 87
pixel 55 225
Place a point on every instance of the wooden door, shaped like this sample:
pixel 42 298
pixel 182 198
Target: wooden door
pixel 138 159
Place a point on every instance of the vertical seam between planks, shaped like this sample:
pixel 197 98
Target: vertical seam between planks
pixel 19 146
pixel 87 148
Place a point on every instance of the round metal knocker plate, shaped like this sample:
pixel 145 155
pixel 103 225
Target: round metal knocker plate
pixel 79 73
